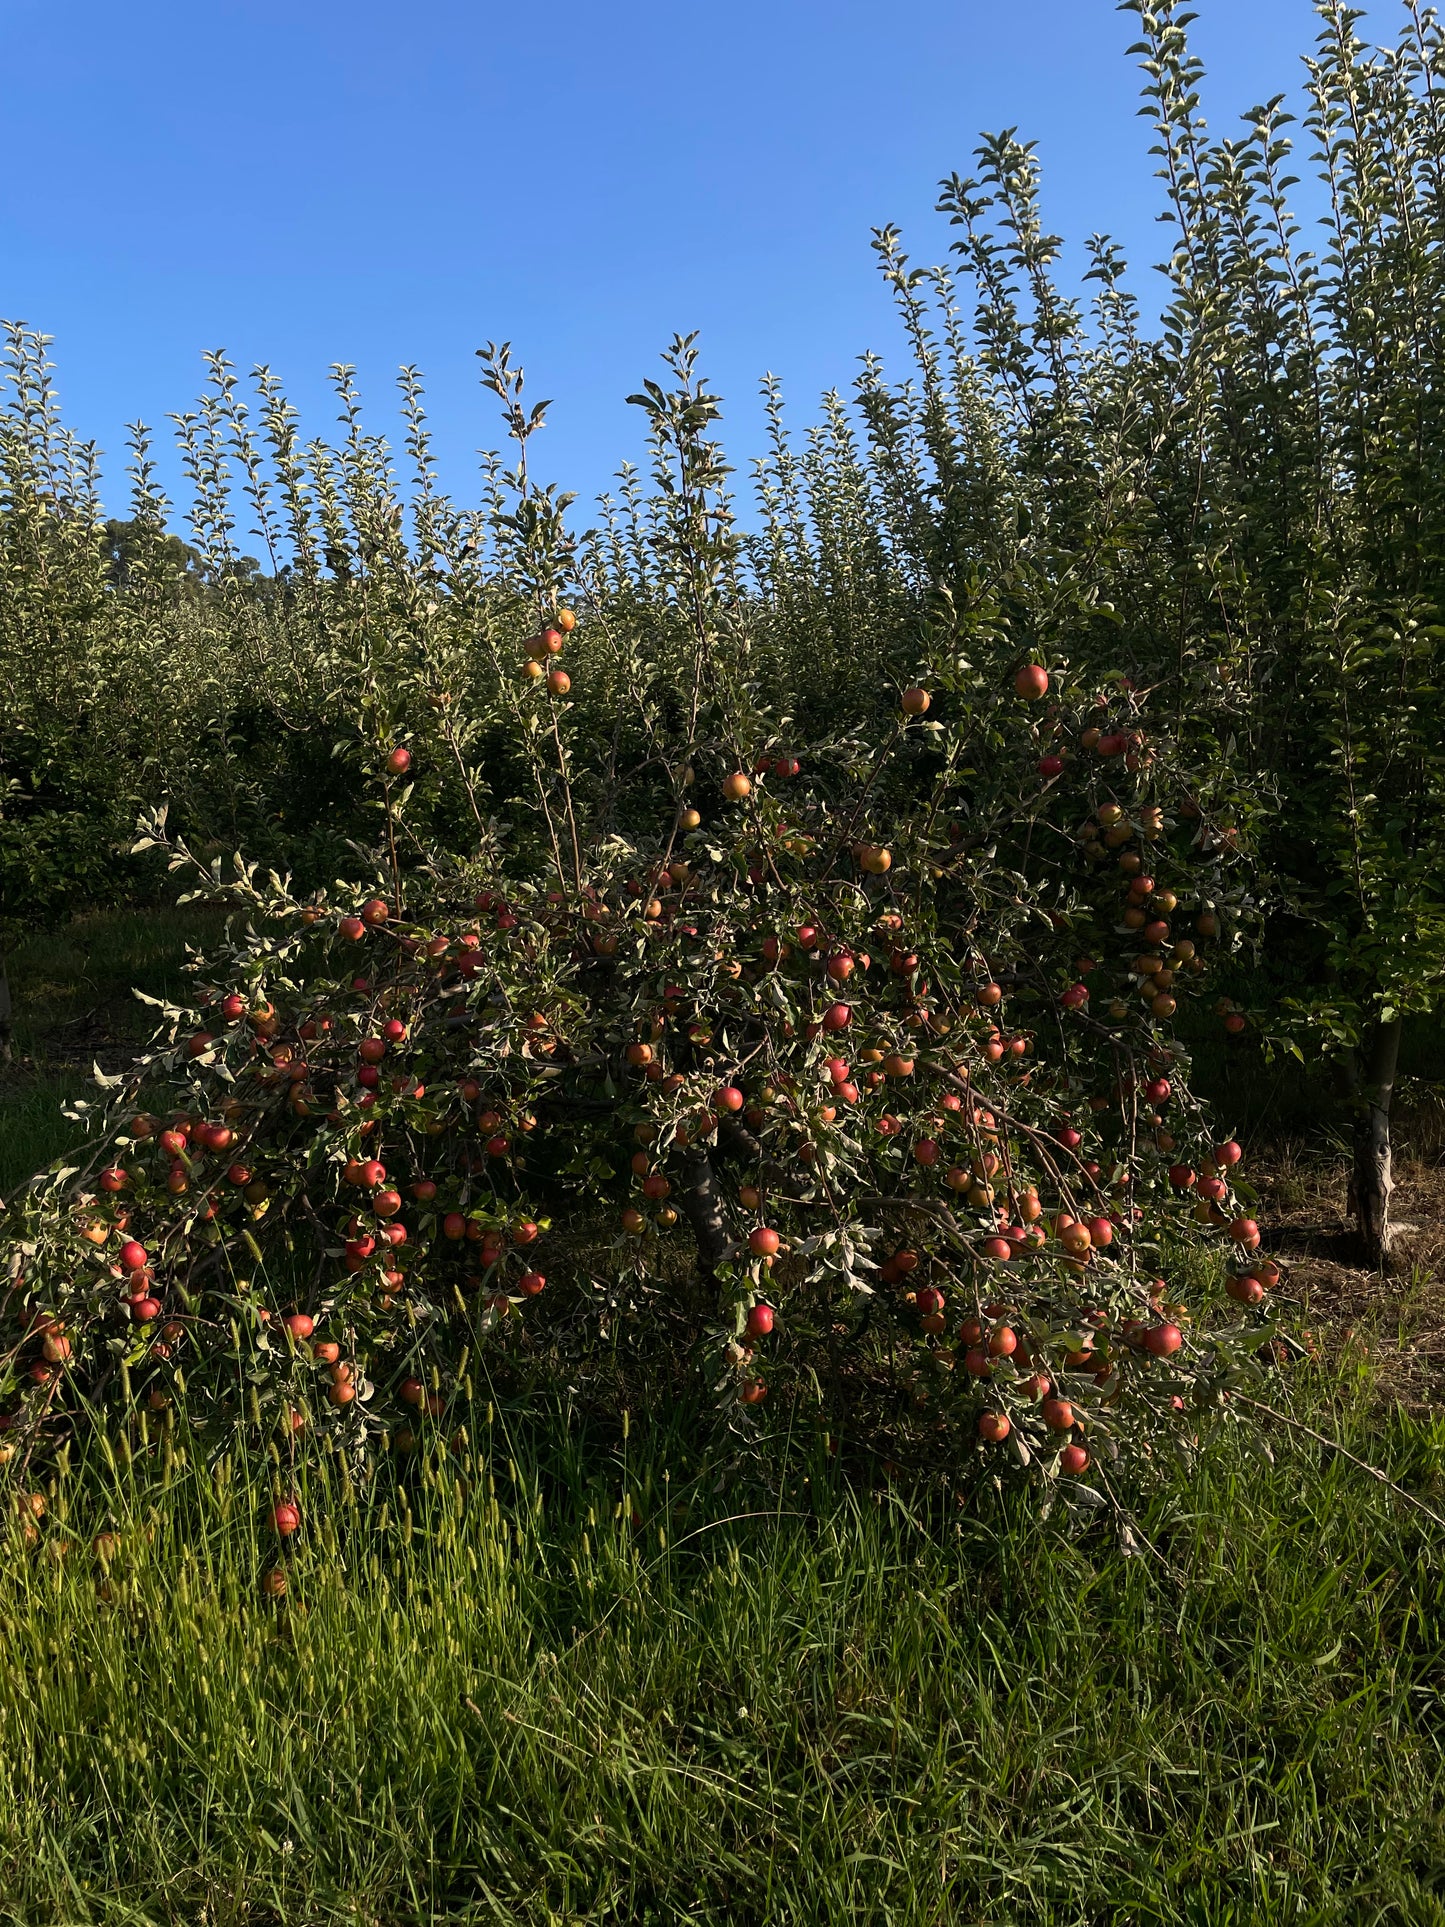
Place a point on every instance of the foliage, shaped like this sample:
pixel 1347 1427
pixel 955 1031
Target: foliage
pixel 674 996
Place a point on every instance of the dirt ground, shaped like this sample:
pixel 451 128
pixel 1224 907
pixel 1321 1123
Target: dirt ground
pixel 1398 1317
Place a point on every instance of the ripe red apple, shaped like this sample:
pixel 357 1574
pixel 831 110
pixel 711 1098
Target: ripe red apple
pixel 994 1427
pixel 1058 1415
pixel 1050 766
pixel 286 1518
pixel 398 762
pixel 836 1017
pixel 737 787
pixel 915 701
pixel 1031 682
pixel 1162 1341
pixel 760 1321
pixel 1073 1459
pixel 762 1242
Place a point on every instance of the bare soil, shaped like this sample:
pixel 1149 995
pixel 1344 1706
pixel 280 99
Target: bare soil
pixel 1398 1316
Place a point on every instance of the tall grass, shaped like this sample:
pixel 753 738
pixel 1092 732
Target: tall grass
pixel 554 1674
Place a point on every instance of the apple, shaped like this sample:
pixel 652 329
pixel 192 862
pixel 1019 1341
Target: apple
pixel 915 702
pixel 1162 1341
pixel 763 1242
pixel 1031 682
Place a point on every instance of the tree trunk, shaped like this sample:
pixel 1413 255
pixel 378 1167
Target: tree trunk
pixel 6 1013
pixel 702 1206
pixel 1371 1178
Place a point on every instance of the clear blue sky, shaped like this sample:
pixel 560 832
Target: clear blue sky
pixel 301 181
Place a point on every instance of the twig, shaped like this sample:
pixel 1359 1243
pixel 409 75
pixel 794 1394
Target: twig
pixel 1364 1465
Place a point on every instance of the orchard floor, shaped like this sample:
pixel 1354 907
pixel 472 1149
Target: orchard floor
pixel 576 1674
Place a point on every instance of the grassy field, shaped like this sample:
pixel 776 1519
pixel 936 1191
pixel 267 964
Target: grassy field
pixel 562 1673
pixel 563 1676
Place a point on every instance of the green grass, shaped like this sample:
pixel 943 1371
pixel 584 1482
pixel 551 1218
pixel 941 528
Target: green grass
pixel 562 1678
pixel 72 992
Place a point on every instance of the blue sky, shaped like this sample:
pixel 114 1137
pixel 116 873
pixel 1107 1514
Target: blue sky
pixel 302 181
